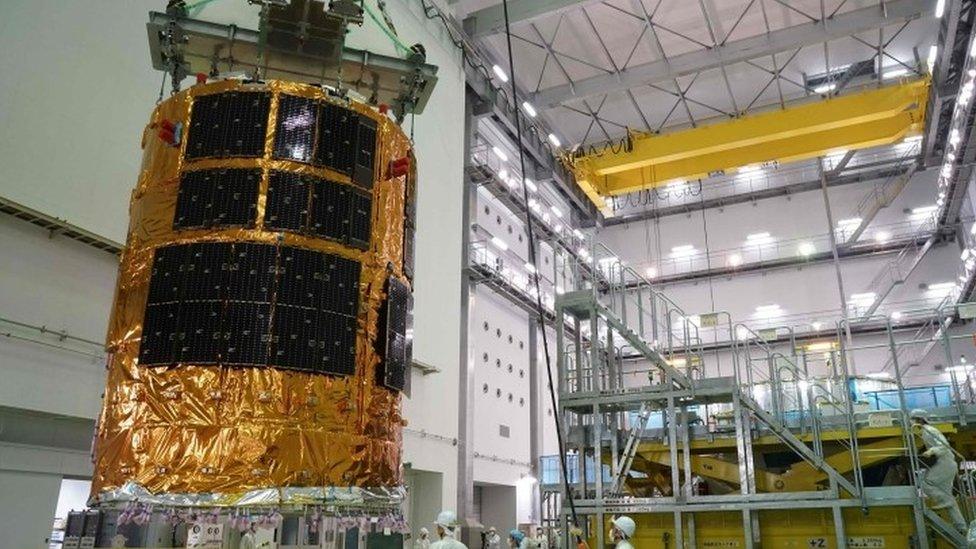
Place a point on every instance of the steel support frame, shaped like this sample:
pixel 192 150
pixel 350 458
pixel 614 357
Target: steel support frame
pixel 726 53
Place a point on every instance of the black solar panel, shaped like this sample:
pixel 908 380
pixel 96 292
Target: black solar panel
pixel 251 272
pixel 295 131
pixel 246 330
pixel 408 249
pixel 165 283
pixel 337 344
pixel 300 278
pixel 194 201
pixel 329 210
pixel 204 275
pixel 365 152
pixel 360 218
pixel 198 332
pixel 294 342
pixel 340 293
pixel 217 198
pixel 235 198
pixel 251 304
pixel 159 334
pixel 393 340
pixel 288 200
pixel 228 124
pixel 336 146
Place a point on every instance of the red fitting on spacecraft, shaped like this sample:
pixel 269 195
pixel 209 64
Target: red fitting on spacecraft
pixel 169 132
pixel 400 167
pixel 201 78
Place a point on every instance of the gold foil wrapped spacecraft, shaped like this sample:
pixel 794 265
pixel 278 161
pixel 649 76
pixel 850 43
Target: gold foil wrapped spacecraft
pixel 213 432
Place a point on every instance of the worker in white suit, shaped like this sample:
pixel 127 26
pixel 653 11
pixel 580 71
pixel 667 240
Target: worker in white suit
pixel 622 531
pixel 937 482
pixel 447 529
pixel 493 540
pixel 422 542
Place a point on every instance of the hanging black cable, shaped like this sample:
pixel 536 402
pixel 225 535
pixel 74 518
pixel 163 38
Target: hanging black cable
pixel 540 310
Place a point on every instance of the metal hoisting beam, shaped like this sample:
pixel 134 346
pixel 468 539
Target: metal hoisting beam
pixel 878 116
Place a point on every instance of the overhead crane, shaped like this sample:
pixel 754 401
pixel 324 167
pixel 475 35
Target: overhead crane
pixel 861 119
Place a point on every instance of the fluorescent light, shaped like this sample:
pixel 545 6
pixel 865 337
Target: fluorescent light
pixel 923 211
pixel 531 185
pixel 806 249
pixel 824 88
pixel 554 140
pixel 933 53
pixel 895 73
pixel 757 237
pixel 500 154
pixel 529 109
pixel 606 260
pixel 767 311
pixel 941 287
pixel 879 375
pixel 499 243
pixel 896 315
pixel 882 236
pixel 735 260
pixel 939 8
pixel 578 234
pixel 556 211
pixel 866 297
pixel 651 272
pixel 503 174
pixel 529 267
pixel 682 251
pixel 852 221
pixel 816 325
pixel 820 346
pixel 499 73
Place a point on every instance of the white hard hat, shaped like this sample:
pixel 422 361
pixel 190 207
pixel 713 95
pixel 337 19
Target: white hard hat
pixel 626 525
pixel 919 413
pixel 424 532
pixel 447 519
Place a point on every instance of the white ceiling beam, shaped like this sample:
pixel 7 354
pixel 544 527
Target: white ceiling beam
pixel 780 40
pixel 491 20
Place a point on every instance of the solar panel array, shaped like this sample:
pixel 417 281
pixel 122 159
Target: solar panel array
pixel 251 304
pixel 246 303
pixel 217 198
pixel 318 207
pixel 396 342
pixel 326 135
pixel 230 124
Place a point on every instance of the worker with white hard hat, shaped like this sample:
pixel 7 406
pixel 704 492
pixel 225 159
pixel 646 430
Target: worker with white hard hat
pixel 493 540
pixel 937 481
pixel 447 527
pixel 622 531
pixel 422 542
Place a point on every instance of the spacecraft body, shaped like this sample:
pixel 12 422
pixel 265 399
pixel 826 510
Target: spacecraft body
pixel 261 332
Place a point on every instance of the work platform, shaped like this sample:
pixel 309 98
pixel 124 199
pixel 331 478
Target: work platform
pixel 764 455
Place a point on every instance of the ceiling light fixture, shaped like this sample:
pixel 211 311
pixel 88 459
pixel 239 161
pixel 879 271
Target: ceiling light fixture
pixel 499 73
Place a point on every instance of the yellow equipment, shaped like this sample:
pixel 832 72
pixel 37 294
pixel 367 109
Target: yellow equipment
pixel 878 116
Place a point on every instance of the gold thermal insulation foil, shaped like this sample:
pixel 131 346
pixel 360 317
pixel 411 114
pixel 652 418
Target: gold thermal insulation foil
pixel 249 342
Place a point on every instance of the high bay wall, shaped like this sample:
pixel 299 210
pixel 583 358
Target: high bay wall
pixel 65 286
